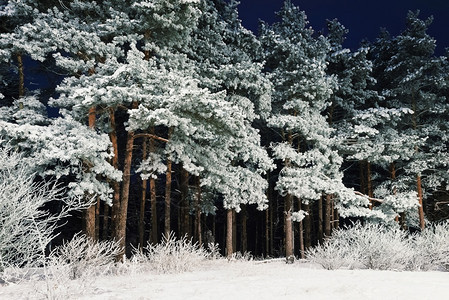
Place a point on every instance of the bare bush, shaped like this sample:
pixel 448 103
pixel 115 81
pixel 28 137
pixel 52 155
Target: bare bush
pixel 431 248
pixel 371 246
pixel 172 255
pixel 26 227
pixel 82 256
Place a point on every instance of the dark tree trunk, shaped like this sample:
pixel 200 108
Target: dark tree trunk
pixel 167 198
pixel 115 211
pixel 234 230
pixel 362 167
pixel 369 183
pixel 120 232
pixel 21 78
pixel 89 215
pixel 105 234
pixel 244 234
pixel 153 199
pixel 143 199
pixel 327 216
pixel 168 181
pixel 320 220
pixel 198 233
pixel 307 227
pixel 422 223
pixel 229 249
pixel 185 207
pixel 289 254
pixel 301 234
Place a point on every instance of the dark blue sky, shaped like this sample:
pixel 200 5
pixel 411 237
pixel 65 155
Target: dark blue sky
pixel 363 18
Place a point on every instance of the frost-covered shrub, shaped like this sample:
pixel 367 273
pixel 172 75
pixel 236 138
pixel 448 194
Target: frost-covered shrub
pixel 82 256
pixel 431 248
pixel 26 227
pixel 172 255
pixel 213 251
pixel 335 253
pixel 370 246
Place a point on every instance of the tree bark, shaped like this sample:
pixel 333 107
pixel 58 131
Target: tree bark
pixel 115 211
pixel 418 176
pixel 185 207
pixel 229 249
pixel 422 223
pixel 105 233
pixel 244 235
pixel 120 232
pixel 307 227
pixel 143 197
pixel 369 183
pixel 153 199
pixel 320 220
pixel 198 235
pixel 21 78
pixel 234 230
pixel 89 215
pixel 168 182
pixel 288 228
pixel 327 216
pixel 301 234
pixel 97 219
pixel 362 164
pixel 167 198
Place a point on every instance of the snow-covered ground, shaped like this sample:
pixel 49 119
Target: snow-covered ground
pixel 221 279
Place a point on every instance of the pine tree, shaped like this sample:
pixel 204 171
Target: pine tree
pixel 411 78
pixel 296 65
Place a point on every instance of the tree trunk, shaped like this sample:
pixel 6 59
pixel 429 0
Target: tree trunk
pixel 320 220
pixel 115 211
pixel 301 233
pixel 418 176
pixel 288 208
pixel 21 78
pixel 105 234
pixel 289 254
pixel 362 165
pixel 168 182
pixel 143 199
pixel 120 232
pixel 89 215
pixel 369 183
pixel 229 249
pixel 234 230
pixel 307 227
pixel 198 235
pixel 267 231
pixel 336 219
pixel 244 234
pixel 422 223
pixel 327 216
pixel 97 219
pixel 185 207
pixel 167 198
pixel 153 199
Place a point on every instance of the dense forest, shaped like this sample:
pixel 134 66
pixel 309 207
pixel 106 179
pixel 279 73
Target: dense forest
pixel 170 116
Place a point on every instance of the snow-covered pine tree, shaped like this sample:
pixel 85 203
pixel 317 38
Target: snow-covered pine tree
pixel 224 53
pixel 50 142
pixel 140 36
pixel 366 131
pixel 412 77
pixel 296 65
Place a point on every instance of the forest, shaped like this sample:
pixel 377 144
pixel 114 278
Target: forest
pixel 147 118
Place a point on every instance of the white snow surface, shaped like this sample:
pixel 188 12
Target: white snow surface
pixel 232 280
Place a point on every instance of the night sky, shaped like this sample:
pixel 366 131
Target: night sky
pixel 363 18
